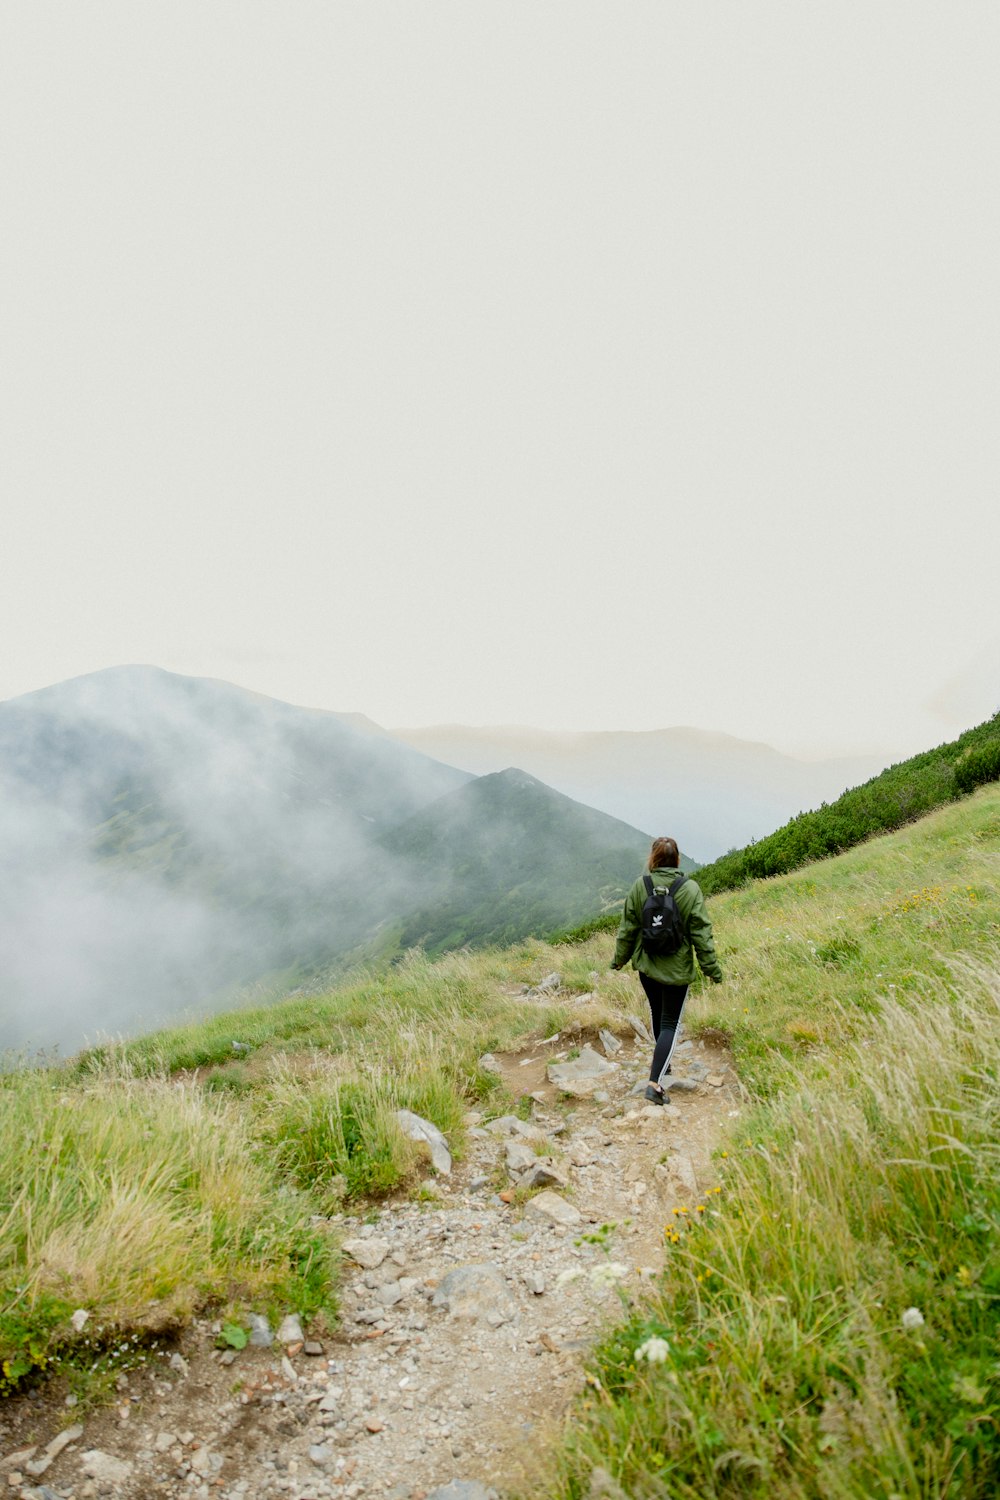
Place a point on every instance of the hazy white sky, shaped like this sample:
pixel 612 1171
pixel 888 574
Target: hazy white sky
pixel 591 366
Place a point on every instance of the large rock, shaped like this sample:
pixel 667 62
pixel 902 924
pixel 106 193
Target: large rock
pixel 584 1075
pixel 551 1209
pixel 418 1129
pixel 478 1292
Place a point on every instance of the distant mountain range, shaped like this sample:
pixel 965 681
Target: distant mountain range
pixel 163 837
pixel 710 791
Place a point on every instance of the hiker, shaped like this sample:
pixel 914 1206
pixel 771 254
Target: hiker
pixel 662 936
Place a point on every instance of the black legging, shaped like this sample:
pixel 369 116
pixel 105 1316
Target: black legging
pixel 666 1001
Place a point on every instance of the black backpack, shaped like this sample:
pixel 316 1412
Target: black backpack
pixel 662 923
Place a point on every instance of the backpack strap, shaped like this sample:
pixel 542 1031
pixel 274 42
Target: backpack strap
pixel 647 882
pixel 677 885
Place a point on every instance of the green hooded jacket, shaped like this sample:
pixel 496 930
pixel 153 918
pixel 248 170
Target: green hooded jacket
pixel 673 968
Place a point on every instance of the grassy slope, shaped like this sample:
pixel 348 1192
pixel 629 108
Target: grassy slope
pixel 863 1000
pixel 864 1181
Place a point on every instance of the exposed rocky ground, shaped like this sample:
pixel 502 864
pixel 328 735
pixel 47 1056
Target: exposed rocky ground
pixel 465 1314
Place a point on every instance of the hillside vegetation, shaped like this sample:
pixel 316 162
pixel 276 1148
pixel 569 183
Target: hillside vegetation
pixel 860 1001
pixel 828 1324
pixel 899 795
pixel 896 796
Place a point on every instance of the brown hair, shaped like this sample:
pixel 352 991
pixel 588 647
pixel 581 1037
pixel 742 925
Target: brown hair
pixel 664 854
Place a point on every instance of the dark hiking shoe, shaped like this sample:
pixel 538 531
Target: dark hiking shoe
pixel 653 1095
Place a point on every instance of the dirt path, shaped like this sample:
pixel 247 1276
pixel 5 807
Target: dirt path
pixel 464 1318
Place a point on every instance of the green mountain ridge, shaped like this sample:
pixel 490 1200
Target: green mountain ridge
pixel 509 857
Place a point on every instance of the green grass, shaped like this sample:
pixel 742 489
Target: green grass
pixel 860 1180
pixel 863 1002
pixel 138 1201
pixel 144 1181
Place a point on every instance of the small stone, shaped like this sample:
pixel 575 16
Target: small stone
pixel 163 1442
pixel 104 1468
pixel 489 1064
pixel 19 1457
pixel 79 1319
pixel 552 1209
pixel 260 1331
pixel 716 1080
pixel 519 1155
pixel 63 1439
pixel 320 1455
pixel 542 1174
pixel 290 1330
pixel 313 1348
pixel 462 1489
pixel 581 1077
pixel 374 1424
pixel 369 1253
pixel 201 1461
pixel 680 1085
pixel 476 1291
pixel 609 1042
pixel 679 1175
pixel 418 1129
pixel 641 1030
pixel 535 1282
pixel 550 982
pixel 178 1363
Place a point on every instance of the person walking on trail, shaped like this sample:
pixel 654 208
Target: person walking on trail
pixel 662 935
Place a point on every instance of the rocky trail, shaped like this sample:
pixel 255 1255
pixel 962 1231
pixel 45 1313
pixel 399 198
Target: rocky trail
pixel 465 1315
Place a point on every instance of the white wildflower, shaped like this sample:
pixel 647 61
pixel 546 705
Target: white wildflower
pixel 912 1318
pixel 654 1351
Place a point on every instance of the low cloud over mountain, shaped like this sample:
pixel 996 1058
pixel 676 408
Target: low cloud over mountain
pixel 162 838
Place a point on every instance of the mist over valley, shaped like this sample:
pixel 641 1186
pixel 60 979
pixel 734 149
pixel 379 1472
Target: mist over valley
pixel 710 791
pixel 165 839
